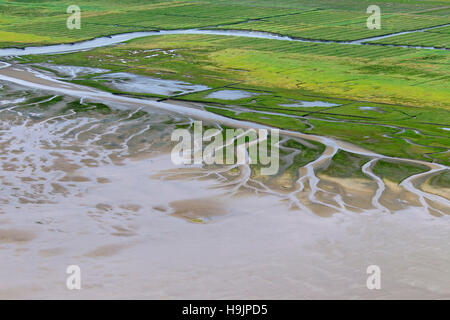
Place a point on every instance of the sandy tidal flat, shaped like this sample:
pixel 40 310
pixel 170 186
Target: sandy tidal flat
pixel 128 245
pixel 90 189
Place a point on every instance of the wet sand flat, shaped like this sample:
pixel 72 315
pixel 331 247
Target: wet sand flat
pixel 100 191
pixel 261 249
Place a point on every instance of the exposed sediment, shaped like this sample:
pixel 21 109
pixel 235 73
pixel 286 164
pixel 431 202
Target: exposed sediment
pixel 307 194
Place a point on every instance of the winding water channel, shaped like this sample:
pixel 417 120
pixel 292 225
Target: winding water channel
pixel 28 77
pixel 114 39
pixel 33 79
pixel 103 212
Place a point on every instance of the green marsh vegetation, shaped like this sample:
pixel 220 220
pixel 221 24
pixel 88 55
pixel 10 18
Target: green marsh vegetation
pixel 393 101
pixel 439 37
pixel 346 165
pixel 397 171
pixel 441 180
pixel 25 22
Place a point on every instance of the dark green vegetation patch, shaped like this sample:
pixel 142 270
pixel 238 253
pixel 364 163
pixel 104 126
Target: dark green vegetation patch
pixel 397 171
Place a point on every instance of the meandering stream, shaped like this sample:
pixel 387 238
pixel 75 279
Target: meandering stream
pixel 65 200
pixel 118 38
pixel 81 189
pixel 33 79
